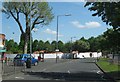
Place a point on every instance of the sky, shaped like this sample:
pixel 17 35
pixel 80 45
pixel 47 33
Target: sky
pixel 81 23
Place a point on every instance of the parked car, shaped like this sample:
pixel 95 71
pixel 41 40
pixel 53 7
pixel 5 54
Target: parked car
pixel 21 59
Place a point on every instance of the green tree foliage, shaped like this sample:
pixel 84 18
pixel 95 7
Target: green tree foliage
pixel 110 14
pixel 53 45
pixel 35 13
pixel 96 43
pixel 83 39
pixel 81 46
pixel 100 43
pixel 112 37
pixel 92 43
pixel 60 45
pixel 12 47
pixel 108 11
pixel 67 47
pixel 107 42
pixel 48 46
pixel 35 46
pixel 41 45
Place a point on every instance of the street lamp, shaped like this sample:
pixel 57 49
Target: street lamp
pixel 57 33
pixel 12 37
pixel 71 42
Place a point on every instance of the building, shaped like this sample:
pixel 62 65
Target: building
pixel 2 46
pixel 2 51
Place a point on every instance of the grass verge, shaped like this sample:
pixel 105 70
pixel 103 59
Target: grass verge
pixel 113 70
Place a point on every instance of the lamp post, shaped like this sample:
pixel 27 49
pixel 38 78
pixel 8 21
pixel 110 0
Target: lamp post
pixel 57 33
pixel 13 35
pixel 30 30
pixel 71 42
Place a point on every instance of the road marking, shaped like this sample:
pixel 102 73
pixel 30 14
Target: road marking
pixel 44 70
pixel 19 77
pixel 99 72
pixel 68 71
pixel 57 79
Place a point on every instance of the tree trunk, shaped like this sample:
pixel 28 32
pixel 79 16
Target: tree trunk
pixel 26 39
pixel 24 42
pixel 25 47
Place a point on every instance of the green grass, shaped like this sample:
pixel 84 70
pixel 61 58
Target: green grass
pixel 112 69
pixel 106 66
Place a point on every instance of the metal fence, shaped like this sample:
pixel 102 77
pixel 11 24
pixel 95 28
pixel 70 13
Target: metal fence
pixel 8 67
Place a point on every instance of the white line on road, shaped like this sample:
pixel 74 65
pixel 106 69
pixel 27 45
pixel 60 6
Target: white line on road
pixel 44 70
pixel 56 79
pixel 19 77
pixel 99 72
pixel 68 71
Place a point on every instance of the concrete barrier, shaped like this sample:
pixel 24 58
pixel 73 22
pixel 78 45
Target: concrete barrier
pixel 87 54
pixel 60 55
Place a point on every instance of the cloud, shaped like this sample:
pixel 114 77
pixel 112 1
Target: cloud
pixel 35 29
pixel 49 31
pixel 92 24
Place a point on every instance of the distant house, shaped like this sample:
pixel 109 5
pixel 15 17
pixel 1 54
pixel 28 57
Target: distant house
pixel 38 52
pixel 75 52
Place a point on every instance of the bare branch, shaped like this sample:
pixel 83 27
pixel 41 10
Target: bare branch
pixel 17 22
pixel 17 12
pixel 40 22
pixel 35 21
pixel 13 15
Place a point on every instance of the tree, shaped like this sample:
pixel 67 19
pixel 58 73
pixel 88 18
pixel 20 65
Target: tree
pixel 21 45
pixel 95 43
pixel 12 47
pixel 35 45
pixel 60 45
pixel 81 46
pixel 9 45
pixel 91 40
pixel 100 43
pixel 53 45
pixel 110 14
pixel 67 47
pixel 108 11
pixel 83 39
pixel 41 45
pixel 35 13
pixel 47 46
pixel 112 40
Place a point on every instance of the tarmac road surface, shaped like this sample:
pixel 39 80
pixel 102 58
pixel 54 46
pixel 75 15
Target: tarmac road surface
pixel 84 70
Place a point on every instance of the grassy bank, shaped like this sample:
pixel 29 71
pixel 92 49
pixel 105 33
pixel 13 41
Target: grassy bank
pixel 107 66
pixel 112 69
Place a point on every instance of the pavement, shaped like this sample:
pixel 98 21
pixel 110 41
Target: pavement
pixel 10 69
pixel 84 70
pixel 0 71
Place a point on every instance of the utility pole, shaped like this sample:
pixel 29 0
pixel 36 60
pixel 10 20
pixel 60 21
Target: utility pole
pixel 57 49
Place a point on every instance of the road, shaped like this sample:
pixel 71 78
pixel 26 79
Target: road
pixel 84 70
